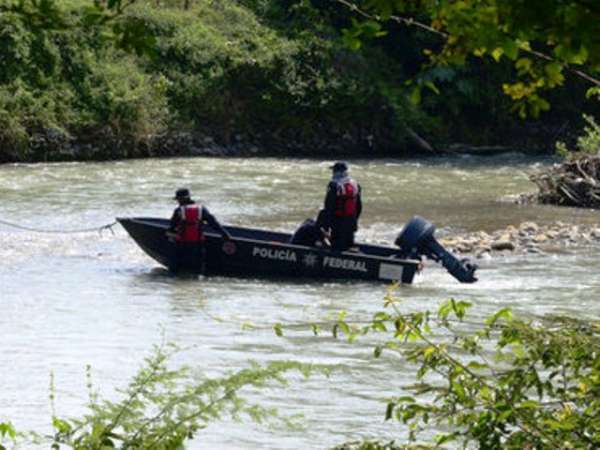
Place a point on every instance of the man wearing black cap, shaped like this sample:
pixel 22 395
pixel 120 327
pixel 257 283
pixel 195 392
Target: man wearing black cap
pixel 187 229
pixel 343 206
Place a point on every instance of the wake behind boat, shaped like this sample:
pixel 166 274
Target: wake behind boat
pixel 254 252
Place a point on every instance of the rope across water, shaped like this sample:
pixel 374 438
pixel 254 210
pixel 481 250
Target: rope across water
pixel 73 231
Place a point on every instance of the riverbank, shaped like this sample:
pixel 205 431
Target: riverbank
pixel 54 145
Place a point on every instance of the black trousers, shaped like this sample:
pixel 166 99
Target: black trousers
pixel 342 233
pixel 189 257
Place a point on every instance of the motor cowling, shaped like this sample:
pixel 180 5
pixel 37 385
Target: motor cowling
pixel 417 239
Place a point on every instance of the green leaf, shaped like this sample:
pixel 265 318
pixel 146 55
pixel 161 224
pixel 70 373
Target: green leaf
pixel 60 425
pixel 445 309
pixel 344 328
pixel 350 36
pixel 486 393
pixel 581 56
pixel 497 54
pixel 441 439
pixel 529 404
pixel 476 365
pixel 413 336
pixel 523 65
pixel 405 399
pixel 519 351
pixel 377 351
pixel 459 391
pixel 370 27
pixel 432 87
pixel 389 411
pixel 505 415
pixel 511 49
pixel 593 92
pixel 379 326
pixel 415 95
pixel 278 329
pixel 429 351
pixel 504 313
pixel 7 429
pixel 460 308
pixel 381 316
pixel 554 74
pixel 353 43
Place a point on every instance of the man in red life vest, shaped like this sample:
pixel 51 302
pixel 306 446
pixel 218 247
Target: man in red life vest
pixel 343 206
pixel 186 229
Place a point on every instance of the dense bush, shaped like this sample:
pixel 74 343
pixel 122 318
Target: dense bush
pixel 214 68
pixel 80 81
pixel 64 81
pixel 507 383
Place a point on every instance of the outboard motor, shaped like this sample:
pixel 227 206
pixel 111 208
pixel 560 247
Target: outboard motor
pixel 416 239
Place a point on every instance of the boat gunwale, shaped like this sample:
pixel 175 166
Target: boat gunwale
pixel 387 259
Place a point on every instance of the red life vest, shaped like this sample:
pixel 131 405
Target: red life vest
pixel 190 225
pixel 346 202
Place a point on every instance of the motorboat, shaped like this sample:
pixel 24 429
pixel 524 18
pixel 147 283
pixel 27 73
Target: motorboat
pixel 262 253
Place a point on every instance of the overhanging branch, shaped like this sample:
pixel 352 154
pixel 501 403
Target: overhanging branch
pixel 415 23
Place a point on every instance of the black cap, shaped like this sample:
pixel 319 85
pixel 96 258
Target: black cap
pixel 339 166
pixel 182 193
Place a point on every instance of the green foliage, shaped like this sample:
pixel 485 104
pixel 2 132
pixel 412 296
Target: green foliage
pixel 378 445
pixel 7 434
pixel 59 75
pixel 120 75
pixel 543 40
pixel 508 383
pixel 587 144
pixel 214 67
pixel 131 103
pixel 163 408
pixel 231 73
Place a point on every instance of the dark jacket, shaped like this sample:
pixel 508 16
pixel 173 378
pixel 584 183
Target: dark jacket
pixel 342 228
pixel 329 219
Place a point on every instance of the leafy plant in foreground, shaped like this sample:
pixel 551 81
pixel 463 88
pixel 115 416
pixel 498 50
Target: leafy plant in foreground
pixel 7 433
pixel 164 408
pixel 507 383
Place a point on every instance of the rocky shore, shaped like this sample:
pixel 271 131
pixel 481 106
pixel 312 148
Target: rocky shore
pixel 527 238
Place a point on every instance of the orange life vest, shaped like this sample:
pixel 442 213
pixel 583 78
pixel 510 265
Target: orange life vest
pixel 190 225
pixel 346 201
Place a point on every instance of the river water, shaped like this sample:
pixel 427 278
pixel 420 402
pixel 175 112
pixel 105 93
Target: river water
pixel 69 300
